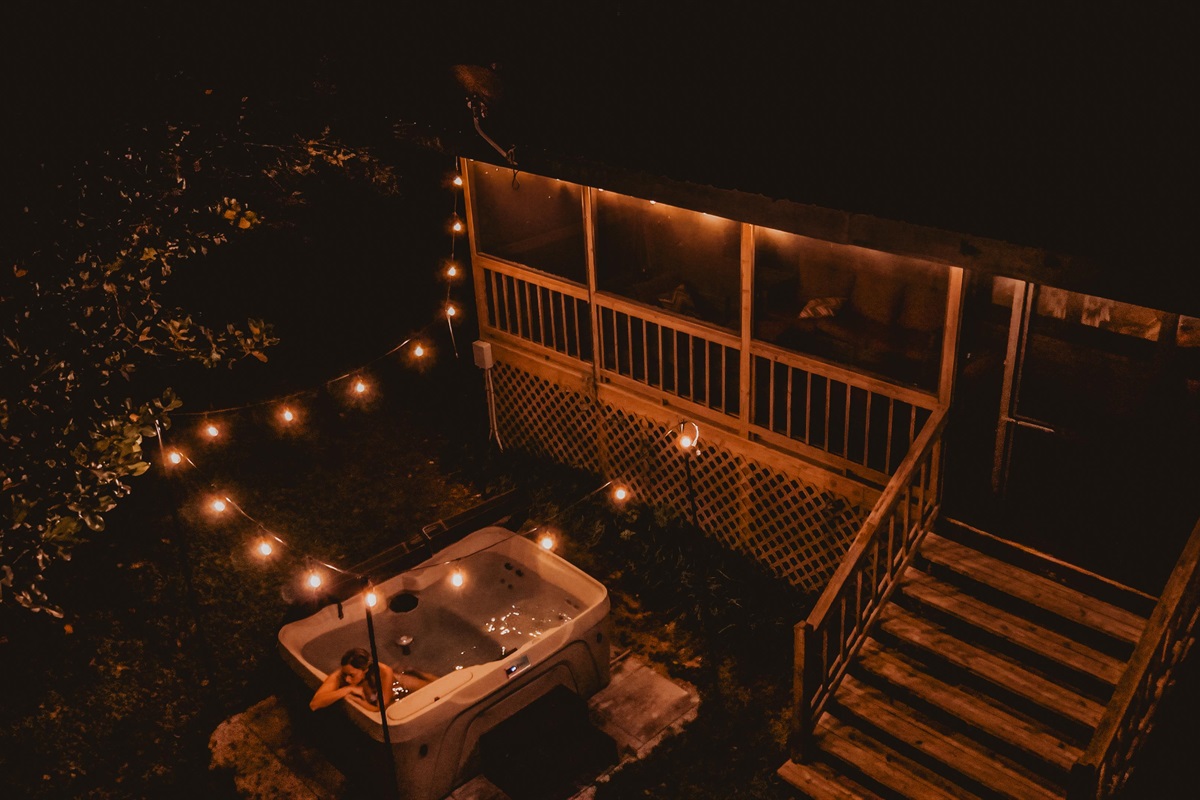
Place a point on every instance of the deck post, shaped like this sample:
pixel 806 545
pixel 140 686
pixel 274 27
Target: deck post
pixel 802 692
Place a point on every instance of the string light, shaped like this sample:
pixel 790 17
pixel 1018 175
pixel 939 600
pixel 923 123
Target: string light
pixel 546 541
pixel 418 351
pixel 212 430
pixel 456 225
pixel 264 548
pixel 314 579
pixel 287 415
pixel 175 457
pixel 457 180
pixel 219 505
pixel 457 579
pixel 372 598
pixel 359 386
pixel 452 270
pixel 451 311
pixel 620 494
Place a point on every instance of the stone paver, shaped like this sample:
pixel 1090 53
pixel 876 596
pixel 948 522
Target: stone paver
pixel 638 709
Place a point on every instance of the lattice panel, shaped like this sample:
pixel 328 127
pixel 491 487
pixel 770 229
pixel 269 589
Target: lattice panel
pixel 799 531
pixel 536 415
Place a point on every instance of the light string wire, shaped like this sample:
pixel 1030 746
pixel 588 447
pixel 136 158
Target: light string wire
pixel 176 457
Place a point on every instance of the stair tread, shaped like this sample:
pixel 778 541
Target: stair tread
pixel 962 755
pixel 884 765
pixel 1054 597
pixel 995 669
pixel 821 782
pixel 976 711
pixel 1011 627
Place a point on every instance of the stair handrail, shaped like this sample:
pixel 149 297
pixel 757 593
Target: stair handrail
pixel 817 675
pixel 1107 762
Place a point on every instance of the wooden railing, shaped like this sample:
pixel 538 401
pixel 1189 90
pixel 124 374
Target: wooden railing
pixel 828 640
pixel 782 398
pixel 865 421
pixel 539 309
pixel 1108 760
pixel 686 359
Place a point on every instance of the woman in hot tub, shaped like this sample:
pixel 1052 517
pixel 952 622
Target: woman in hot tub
pixel 355 680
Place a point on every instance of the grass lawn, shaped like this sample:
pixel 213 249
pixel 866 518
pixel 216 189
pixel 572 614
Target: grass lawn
pixel 119 698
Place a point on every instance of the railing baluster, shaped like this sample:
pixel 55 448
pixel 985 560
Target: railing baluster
pixel 616 343
pixel 887 451
pixel 867 433
pixel 912 424
pixel 808 386
pixel 493 316
pixel 504 280
pixel 527 316
pixel 675 360
pixel 846 424
pixel 707 385
pixel 541 317
pixel 562 311
pixel 721 349
pixel 788 406
pixel 828 386
pixel 645 354
pixel 771 397
pixel 691 367
pixel 575 316
pixel 662 379
pixel 629 341
pixel 907 515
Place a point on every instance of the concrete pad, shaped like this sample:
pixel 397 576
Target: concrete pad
pixel 639 703
pixel 639 709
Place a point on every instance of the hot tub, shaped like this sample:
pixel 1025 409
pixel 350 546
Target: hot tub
pixel 522 622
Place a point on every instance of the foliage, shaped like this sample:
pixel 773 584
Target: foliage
pixel 90 322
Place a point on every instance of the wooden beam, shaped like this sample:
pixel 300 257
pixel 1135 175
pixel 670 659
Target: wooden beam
pixel 469 211
pixel 744 387
pixel 954 304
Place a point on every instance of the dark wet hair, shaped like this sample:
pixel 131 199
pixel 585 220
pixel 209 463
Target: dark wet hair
pixel 357 657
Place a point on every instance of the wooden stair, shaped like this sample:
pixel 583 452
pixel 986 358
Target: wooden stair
pixel 983 680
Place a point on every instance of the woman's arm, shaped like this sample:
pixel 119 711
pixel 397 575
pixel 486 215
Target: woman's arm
pixel 386 677
pixel 329 692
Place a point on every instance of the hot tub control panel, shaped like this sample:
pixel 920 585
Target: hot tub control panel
pixel 518 666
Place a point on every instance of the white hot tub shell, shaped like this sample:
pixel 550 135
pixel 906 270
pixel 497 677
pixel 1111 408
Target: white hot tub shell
pixel 522 622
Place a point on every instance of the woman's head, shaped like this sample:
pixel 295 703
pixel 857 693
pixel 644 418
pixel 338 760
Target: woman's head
pixel 357 657
pixel 354 665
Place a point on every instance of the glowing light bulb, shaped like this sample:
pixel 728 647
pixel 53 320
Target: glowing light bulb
pixel 264 547
pixel 418 351
pixel 372 598
pixel 175 457
pixel 620 493
pixel 457 578
pixel 451 271
pixel 457 226
pixel 212 430
pixel 653 202
pixel 359 387
pixel 287 415
pixel 685 441
pixel 451 311
pixel 458 180
pixel 218 505
pixel 314 579
pixel 547 542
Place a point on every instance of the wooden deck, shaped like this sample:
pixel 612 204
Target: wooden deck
pixel 983 679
